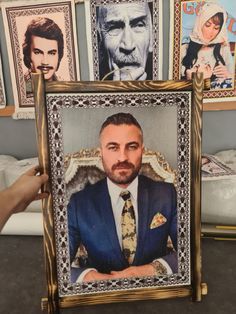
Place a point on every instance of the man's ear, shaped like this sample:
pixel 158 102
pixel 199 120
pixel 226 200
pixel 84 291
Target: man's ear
pixel 100 151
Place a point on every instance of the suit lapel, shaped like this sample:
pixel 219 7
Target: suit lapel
pixel 142 216
pixel 106 214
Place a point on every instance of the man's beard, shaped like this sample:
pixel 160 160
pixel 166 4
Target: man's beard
pixel 122 177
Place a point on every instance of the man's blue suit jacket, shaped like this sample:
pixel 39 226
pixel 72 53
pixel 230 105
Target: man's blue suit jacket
pixel 91 222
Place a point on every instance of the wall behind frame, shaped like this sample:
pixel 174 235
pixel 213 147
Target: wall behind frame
pixel 18 137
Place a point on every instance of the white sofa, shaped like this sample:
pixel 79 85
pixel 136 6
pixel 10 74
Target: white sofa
pixel 29 222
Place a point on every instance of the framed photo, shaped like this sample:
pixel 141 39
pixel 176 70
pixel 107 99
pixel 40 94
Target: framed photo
pixel 97 139
pixel 124 39
pixel 41 37
pixel 194 48
pixel 2 88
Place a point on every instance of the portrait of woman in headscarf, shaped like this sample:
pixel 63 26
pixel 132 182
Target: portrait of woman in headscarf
pixel 208 50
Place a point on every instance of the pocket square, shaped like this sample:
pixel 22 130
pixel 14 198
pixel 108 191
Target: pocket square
pixel 157 221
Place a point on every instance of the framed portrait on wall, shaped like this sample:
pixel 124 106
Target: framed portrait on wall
pixel 141 155
pixel 203 39
pixel 2 87
pixel 124 39
pixel 41 37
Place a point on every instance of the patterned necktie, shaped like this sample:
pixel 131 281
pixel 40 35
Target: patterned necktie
pixel 128 228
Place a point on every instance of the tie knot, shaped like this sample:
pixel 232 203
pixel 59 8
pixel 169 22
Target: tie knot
pixel 125 195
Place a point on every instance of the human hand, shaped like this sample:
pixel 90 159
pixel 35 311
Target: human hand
pixel 134 271
pixel 131 271
pixel 221 71
pixel 26 189
pixel 189 72
pixel 206 70
pixel 129 73
pixel 93 275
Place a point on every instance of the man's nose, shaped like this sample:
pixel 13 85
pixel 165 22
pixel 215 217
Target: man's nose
pixel 122 155
pixel 44 59
pixel 127 41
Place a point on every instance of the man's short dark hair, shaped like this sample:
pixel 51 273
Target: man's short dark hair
pixel 45 28
pixel 119 119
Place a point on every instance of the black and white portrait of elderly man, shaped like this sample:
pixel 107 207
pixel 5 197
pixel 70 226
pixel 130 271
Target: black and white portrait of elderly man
pixel 125 41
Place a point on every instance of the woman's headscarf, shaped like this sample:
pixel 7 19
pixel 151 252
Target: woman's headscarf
pixel 208 10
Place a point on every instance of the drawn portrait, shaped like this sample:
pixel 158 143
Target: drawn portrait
pixel 207 37
pixel 124 39
pixel 41 37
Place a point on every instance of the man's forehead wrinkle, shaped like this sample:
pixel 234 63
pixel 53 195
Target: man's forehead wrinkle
pixel 131 10
pixel 108 141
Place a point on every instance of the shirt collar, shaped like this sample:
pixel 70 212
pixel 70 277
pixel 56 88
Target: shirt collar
pixel 115 190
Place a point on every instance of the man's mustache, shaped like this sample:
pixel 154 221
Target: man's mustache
pixel 127 60
pixel 43 67
pixel 122 165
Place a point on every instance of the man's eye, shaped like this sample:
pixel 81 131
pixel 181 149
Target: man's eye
pixel 37 52
pixel 114 29
pixel 133 147
pixel 52 53
pixel 112 148
pixel 139 26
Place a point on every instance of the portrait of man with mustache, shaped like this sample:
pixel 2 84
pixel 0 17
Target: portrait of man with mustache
pixel 125 41
pixel 124 220
pixel 43 49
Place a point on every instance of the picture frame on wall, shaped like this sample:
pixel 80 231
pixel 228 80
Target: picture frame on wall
pixel 124 39
pixel 2 88
pixel 40 36
pixel 79 159
pixel 194 48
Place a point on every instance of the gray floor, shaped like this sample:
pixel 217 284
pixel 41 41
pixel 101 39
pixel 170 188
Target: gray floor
pixel 22 282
